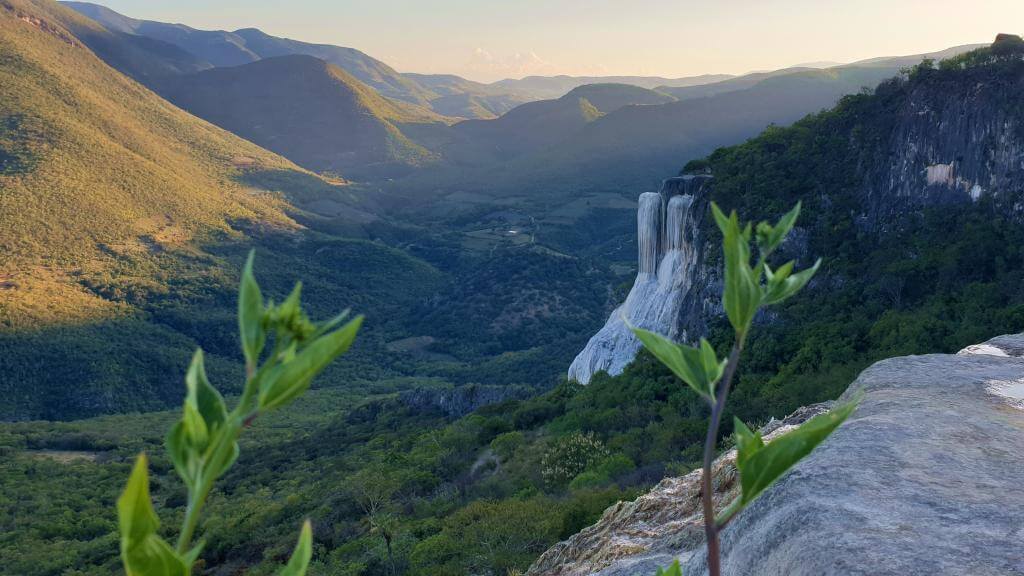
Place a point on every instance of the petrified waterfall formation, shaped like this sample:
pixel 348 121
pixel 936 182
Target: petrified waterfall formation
pixel 666 235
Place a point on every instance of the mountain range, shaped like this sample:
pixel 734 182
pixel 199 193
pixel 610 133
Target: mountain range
pixel 358 118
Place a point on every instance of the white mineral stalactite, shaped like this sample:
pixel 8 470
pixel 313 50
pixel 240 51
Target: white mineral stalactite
pixel 666 257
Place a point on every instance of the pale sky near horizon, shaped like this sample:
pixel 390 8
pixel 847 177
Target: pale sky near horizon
pixel 487 40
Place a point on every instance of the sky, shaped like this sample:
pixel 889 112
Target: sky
pixel 488 40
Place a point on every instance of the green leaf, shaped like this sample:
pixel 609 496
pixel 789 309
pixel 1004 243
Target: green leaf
pixel 762 464
pixel 203 396
pixel 698 368
pixel 250 314
pixel 790 285
pixel 221 454
pixel 712 366
pixel 747 442
pixel 299 561
pixel 203 417
pixel 330 324
pixel 194 427
pixel 673 570
pixel 142 551
pixel 742 294
pixel 290 306
pixel 182 454
pixel 288 380
pixel 770 237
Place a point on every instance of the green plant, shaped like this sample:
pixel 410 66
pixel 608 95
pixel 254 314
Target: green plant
pixel 569 456
pixel 673 570
pixel 748 286
pixel 203 444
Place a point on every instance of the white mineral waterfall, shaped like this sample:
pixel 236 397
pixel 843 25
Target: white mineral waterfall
pixel 648 231
pixel 657 294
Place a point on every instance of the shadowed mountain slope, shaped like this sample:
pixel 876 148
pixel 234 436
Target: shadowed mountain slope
pixel 308 110
pixel 538 125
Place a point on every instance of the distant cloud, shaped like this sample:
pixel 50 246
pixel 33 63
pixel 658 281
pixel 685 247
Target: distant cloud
pixel 514 65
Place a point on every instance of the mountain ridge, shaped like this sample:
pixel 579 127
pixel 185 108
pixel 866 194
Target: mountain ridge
pixel 223 48
pixel 308 110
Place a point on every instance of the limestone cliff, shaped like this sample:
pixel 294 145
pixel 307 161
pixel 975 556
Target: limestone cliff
pixel 919 481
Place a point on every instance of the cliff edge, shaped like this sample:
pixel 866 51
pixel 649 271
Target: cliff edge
pixel 920 480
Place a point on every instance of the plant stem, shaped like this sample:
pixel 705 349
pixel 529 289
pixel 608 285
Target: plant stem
pixel 226 439
pixel 188 525
pixel 708 496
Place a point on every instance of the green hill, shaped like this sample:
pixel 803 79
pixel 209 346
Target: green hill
pixel 96 163
pixel 608 97
pixel 310 111
pixel 125 219
pixel 546 87
pixel 524 128
pixel 535 126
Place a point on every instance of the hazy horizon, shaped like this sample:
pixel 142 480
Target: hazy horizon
pixel 492 41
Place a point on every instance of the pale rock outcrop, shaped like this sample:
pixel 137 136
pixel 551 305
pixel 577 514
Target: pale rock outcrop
pixel 667 237
pixel 923 479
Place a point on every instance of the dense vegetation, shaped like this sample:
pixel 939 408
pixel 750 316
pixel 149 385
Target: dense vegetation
pixel 904 276
pixel 394 488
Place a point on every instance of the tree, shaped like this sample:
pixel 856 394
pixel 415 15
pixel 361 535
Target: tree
pixel 374 488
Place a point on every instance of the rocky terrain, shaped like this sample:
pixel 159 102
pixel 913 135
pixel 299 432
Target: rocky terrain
pixel 915 482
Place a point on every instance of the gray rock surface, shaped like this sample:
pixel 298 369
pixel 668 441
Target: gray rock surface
pixel 1011 345
pixel 925 478
pixel 640 536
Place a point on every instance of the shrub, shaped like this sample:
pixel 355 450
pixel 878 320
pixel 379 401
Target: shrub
pixel 569 456
pixel 505 445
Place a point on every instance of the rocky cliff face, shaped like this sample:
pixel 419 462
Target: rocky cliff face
pixel 919 480
pixel 948 144
pixel 935 139
pixel 663 298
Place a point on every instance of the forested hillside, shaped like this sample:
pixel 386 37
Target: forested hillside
pixel 310 111
pixel 126 220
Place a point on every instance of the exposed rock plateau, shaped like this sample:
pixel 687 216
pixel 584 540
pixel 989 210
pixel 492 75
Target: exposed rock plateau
pixel 920 480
